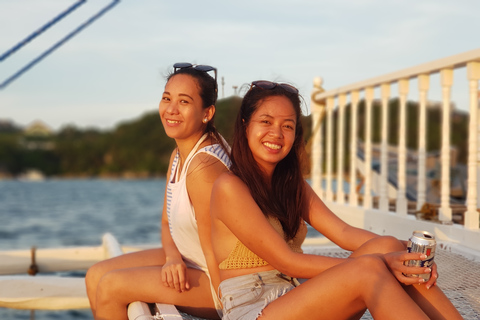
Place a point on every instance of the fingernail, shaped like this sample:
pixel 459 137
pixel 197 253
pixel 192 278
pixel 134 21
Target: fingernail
pixel 428 270
pixel 423 256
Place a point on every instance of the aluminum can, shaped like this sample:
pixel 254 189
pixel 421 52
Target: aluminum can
pixel 423 242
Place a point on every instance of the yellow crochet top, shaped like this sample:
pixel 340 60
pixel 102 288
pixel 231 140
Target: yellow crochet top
pixel 242 258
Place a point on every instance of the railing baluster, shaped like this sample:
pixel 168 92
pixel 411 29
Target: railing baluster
pixel 466 234
pixel 402 149
pixel 423 86
pixel 329 153
pixel 367 195
pixel 317 109
pixel 340 147
pixel 445 212
pixel 383 192
pixel 353 197
pixel 472 215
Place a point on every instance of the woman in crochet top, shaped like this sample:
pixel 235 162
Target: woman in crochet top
pixel 258 212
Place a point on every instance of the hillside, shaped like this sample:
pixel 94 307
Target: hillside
pixel 136 148
pixel 139 148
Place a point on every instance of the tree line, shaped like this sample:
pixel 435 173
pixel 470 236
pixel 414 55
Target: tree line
pixel 140 148
pixel 136 148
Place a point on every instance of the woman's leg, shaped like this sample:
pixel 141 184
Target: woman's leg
pixel 344 291
pixel 432 301
pixel 151 257
pixel 118 288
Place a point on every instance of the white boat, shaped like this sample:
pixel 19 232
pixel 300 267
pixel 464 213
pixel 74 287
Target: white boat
pixel 376 208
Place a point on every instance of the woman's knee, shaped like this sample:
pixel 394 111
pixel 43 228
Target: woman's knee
pixel 371 265
pixel 107 286
pixel 391 244
pixel 384 244
pixel 94 274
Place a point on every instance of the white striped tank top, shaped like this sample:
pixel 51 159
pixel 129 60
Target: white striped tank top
pixel 180 211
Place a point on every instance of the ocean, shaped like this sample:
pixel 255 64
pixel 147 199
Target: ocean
pixel 63 213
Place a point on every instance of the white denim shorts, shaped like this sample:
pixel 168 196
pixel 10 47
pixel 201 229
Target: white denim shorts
pixel 245 297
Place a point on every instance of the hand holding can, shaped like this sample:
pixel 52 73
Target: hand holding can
pixel 422 242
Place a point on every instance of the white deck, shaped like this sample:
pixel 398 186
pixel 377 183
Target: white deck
pixel 459 278
pixel 459 271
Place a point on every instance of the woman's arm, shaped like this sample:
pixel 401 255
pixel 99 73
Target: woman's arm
pixel 320 217
pixel 174 270
pixel 233 205
pixel 393 251
pixel 203 171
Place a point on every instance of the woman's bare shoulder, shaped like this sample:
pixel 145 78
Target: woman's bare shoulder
pixel 229 181
pixel 229 188
pixel 203 173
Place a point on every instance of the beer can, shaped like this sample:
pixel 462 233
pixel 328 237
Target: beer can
pixel 423 242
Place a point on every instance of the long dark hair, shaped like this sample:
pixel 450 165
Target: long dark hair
pixel 208 90
pixel 284 197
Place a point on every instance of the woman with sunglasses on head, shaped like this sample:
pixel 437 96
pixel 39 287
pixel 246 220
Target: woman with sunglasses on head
pixel 258 212
pixel 183 272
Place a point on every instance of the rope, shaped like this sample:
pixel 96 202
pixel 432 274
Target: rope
pixel 58 44
pixel 41 30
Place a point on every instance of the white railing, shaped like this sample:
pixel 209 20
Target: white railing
pixel 323 105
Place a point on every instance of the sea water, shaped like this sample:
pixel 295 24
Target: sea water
pixel 62 213
pixel 55 213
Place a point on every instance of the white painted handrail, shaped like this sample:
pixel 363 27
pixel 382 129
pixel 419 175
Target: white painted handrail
pixel 329 153
pixel 384 202
pixel 402 149
pixel 353 198
pixel 471 216
pixel 367 196
pixel 456 61
pixel 423 85
pixel 335 102
pixel 342 101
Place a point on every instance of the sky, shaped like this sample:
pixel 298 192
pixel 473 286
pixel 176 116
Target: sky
pixel 114 70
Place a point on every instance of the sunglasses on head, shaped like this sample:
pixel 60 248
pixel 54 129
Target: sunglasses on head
pixel 199 67
pixel 269 85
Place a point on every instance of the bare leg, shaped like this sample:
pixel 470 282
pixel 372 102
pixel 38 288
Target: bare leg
pixel 151 257
pixel 118 288
pixel 432 301
pixel 344 291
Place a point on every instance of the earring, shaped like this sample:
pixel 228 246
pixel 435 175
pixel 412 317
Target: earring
pixel 205 120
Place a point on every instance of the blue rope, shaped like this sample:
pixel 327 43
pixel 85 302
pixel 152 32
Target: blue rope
pixel 41 29
pixel 59 43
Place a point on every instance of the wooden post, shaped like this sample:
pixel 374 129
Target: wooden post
pixel 472 216
pixel 329 155
pixel 423 85
pixel 353 197
pixel 367 197
pixel 445 212
pixel 383 192
pixel 317 110
pixel 340 147
pixel 402 149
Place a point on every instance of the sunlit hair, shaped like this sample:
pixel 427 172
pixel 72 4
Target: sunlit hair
pixel 208 91
pixel 284 197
